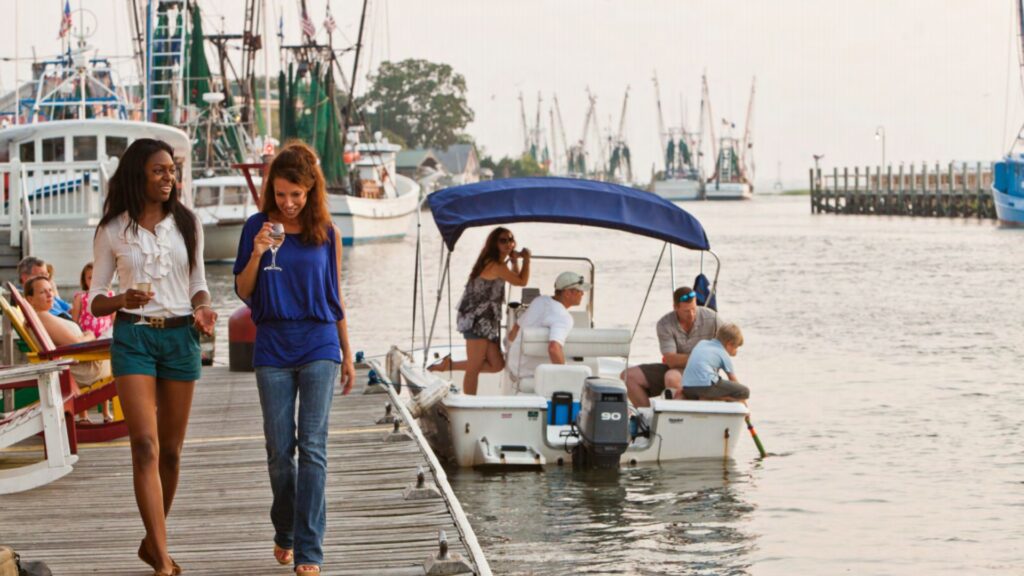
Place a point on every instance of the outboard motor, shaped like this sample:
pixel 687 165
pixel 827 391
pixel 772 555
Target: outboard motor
pixel 603 424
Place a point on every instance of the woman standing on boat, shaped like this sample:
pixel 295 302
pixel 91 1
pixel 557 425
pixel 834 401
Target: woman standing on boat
pixel 288 271
pixel 155 244
pixel 479 317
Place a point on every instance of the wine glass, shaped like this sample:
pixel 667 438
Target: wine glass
pixel 277 235
pixel 146 287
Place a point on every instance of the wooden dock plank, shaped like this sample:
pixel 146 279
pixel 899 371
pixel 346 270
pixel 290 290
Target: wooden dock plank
pixel 87 522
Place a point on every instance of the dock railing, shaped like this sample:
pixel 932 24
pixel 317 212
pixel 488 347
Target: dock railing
pixel 53 193
pixel 953 190
pixel 461 521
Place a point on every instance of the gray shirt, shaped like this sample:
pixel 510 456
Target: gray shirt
pixel 672 339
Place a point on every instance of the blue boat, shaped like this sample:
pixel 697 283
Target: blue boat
pixel 1008 180
pixel 1008 190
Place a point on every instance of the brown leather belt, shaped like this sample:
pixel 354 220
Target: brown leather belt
pixel 156 322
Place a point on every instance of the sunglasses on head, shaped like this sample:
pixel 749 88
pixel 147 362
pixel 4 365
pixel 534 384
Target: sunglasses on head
pixel 688 296
pixel 506 240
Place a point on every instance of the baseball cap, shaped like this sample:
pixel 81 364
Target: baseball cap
pixel 571 280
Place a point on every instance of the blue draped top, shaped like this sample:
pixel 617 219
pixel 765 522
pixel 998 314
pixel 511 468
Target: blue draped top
pixel 295 309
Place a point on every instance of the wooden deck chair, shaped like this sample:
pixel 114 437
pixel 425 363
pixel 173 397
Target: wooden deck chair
pixel 42 348
pixel 46 417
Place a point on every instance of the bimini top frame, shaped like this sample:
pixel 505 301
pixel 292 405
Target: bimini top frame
pixel 557 200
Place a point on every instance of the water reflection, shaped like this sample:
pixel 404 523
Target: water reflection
pixel 682 518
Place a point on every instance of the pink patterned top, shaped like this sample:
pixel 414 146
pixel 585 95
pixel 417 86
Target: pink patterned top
pixel 91 323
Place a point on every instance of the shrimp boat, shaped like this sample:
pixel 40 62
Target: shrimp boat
pixel 382 202
pixel 734 164
pixel 577 412
pixel 54 168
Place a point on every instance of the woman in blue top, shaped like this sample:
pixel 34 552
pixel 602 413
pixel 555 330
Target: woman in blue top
pixel 301 339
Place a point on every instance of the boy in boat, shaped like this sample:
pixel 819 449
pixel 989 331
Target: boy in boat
pixel 678 332
pixel 701 379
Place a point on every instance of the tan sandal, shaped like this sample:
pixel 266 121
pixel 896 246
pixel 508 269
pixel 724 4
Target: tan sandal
pixel 283 556
pixel 307 569
pixel 145 557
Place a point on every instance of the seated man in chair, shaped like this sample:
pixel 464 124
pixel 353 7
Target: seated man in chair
pixel 32 267
pixel 678 332
pixel 551 312
pixel 40 294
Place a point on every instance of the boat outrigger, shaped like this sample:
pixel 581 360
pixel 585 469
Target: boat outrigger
pixel 578 411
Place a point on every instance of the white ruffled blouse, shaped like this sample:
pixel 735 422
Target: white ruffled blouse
pixel 159 258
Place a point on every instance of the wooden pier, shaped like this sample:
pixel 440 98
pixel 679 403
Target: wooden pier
pixel 956 190
pixel 87 522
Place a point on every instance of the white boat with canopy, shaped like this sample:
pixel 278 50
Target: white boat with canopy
pixel 577 411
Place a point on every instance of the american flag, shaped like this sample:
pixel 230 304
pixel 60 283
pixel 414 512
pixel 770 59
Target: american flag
pixel 307 25
pixel 65 22
pixel 329 24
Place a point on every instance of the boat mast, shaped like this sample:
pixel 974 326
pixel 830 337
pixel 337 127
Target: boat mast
pixel 554 140
pixel 661 119
pixel 267 117
pixel 747 173
pixel 699 148
pixel 522 124
pixel 355 70
pixel 620 140
pixel 706 97
pixel 536 131
pixel 561 130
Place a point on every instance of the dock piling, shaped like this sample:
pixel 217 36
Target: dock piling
pixel 951 191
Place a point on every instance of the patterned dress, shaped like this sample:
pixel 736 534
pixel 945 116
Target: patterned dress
pixel 480 308
pixel 90 323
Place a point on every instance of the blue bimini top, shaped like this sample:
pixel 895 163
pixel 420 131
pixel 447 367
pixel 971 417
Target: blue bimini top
pixel 296 309
pixel 567 201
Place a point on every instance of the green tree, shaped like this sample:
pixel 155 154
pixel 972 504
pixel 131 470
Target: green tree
pixel 508 167
pixel 422 102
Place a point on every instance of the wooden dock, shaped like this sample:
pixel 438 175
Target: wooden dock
pixel 87 522
pixel 956 190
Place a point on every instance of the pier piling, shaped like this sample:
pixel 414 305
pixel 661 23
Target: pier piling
pixel 951 191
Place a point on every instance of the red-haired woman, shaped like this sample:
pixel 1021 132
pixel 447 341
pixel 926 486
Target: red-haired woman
pixel 479 318
pixel 302 341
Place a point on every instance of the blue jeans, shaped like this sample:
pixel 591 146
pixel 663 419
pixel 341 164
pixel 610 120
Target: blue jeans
pixel 299 511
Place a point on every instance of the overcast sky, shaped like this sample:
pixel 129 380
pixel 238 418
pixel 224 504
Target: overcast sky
pixel 939 75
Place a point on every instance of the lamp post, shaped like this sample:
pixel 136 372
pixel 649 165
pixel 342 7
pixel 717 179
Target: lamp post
pixel 880 135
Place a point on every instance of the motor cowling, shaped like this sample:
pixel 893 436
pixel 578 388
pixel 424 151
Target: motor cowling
pixel 603 424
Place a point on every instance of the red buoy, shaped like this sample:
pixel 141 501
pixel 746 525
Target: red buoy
pixel 241 340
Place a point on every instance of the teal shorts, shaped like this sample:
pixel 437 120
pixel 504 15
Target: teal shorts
pixel 164 353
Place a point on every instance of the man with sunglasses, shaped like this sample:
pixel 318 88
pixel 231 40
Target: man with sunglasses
pixel 678 332
pixel 551 312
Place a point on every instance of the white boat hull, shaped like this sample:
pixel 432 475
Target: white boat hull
pixel 729 191
pixel 221 240
pixel 678 189
pixel 374 219
pixel 513 431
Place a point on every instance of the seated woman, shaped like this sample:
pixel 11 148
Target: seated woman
pixel 40 294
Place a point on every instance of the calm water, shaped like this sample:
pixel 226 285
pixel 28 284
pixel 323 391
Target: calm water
pixel 885 361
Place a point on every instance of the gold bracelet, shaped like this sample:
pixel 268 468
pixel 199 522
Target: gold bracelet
pixel 196 309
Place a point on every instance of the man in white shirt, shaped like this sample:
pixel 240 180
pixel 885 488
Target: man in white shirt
pixel 551 312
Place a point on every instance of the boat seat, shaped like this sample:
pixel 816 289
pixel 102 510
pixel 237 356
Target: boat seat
pixel 581 343
pixel 551 378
